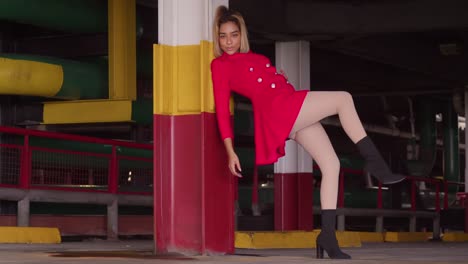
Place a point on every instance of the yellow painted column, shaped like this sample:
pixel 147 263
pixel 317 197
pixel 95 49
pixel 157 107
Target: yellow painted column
pixel 122 49
pixel 182 80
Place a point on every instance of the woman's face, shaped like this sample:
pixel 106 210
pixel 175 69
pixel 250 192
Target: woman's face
pixel 229 38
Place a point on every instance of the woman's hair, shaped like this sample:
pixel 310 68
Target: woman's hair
pixel 224 15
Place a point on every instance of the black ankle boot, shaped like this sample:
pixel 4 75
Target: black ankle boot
pixel 326 240
pixel 375 164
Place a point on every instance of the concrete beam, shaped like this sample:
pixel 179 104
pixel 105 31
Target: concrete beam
pixel 345 17
pixel 349 17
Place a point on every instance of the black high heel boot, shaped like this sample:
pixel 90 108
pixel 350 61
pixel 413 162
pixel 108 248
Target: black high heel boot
pixel 326 240
pixel 375 164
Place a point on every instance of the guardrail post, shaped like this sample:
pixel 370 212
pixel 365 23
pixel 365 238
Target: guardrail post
pixel 341 190
pixel 113 172
pixel 23 212
pixel 113 220
pixel 445 195
pixel 412 223
pixel 113 207
pixel 413 195
pixel 436 227
pixel 341 222
pixel 379 220
pixel 379 196
pixel 25 176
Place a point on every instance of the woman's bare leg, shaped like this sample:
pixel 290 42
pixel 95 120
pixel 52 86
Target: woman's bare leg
pixel 318 105
pixel 315 141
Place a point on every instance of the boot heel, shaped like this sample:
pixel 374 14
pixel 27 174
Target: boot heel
pixel 319 252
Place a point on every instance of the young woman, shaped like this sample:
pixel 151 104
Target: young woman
pixel 280 113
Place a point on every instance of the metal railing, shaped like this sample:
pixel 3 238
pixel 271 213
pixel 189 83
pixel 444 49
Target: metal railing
pixel 31 159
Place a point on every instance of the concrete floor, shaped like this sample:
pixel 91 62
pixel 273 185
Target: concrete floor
pixel 99 251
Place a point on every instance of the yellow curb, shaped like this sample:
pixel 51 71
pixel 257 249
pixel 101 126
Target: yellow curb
pixel 455 237
pixel 290 239
pixel 30 235
pixel 407 236
pixel 348 239
pixel 371 236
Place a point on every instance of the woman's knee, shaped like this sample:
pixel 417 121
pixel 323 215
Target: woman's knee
pixel 332 165
pixel 346 96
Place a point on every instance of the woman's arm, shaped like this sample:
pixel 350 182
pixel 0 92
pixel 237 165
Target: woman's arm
pixel 222 94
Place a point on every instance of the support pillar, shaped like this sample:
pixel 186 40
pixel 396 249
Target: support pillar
pixel 113 220
pixel 293 172
pixel 193 188
pixel 379 221
pixel 122 49
pixel 23 212
pixel 412 223
pixel 341 222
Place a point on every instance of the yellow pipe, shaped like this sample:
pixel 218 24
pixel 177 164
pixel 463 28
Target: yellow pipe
pixel 122 49
pixel 23 77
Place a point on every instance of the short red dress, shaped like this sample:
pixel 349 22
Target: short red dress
pixel 275 102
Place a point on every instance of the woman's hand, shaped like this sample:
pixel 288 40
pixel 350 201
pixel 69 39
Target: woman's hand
pixel 234 164
pixel 233 160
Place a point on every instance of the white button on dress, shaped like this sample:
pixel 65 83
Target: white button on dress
pixel 273 85
pixel 251 69
pixel 268 65
pixel 259 80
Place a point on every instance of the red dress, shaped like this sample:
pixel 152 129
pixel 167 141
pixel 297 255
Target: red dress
pixel 275 102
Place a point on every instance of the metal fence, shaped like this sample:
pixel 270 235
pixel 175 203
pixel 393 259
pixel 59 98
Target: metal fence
pixel 31 159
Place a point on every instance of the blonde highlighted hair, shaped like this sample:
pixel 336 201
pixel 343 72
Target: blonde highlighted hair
pixel 224 15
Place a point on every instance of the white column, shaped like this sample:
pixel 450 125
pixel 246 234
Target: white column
pixel 294 59
pixel 189 23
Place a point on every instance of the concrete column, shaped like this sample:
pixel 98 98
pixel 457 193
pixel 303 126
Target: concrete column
pixel 294 59
pixel 113 220
pixel 379 221
pixel 341 222
pixel 412 224
pixel 23 212
pixel 293 172
pixel 193 189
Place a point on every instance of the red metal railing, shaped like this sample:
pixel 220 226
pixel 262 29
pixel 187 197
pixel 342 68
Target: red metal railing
pixel 98 169
pixel 438 183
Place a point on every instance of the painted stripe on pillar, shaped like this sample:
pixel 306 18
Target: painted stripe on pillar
pixel 182 79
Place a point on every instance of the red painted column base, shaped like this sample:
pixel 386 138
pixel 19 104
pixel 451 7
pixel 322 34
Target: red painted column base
pixel 293 201
pixel 193 189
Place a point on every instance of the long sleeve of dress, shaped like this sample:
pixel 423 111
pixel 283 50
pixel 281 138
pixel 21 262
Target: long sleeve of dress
pixel 222 94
